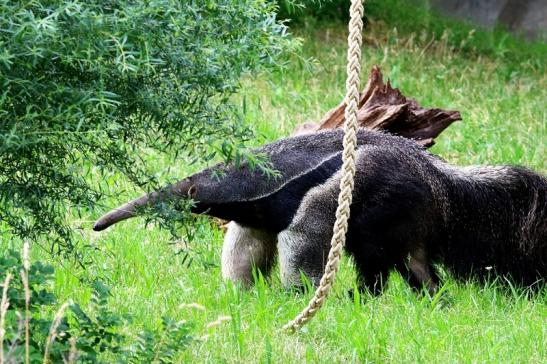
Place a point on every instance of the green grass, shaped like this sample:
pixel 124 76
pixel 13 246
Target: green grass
pixel 502 101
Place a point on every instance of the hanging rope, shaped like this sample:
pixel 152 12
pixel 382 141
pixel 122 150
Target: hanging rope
pixel 348 169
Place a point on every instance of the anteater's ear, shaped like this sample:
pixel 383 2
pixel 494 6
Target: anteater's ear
pixel 192 191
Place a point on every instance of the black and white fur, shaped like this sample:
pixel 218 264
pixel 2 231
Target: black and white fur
pixel 410 210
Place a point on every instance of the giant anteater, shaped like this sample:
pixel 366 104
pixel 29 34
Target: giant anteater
pixel 410 210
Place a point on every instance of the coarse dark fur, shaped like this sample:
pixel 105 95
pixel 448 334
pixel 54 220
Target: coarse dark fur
pixel 410 210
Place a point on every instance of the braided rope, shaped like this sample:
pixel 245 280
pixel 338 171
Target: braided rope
pixel 348 166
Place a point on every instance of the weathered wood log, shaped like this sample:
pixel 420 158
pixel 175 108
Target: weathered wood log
pixel 384 107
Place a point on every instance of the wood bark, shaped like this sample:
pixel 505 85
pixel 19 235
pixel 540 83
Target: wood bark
pixel 383 107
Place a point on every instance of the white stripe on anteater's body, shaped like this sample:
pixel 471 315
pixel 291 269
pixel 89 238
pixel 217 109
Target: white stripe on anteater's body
pixel 410 210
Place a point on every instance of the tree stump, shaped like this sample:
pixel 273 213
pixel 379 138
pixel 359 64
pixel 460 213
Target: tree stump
pixel 383 107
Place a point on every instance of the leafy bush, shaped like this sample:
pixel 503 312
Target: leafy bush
pixel 161 346
pixel 86 87
pixel 95 336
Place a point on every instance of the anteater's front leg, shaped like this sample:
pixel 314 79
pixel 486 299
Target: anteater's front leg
pixel 304 246
pixel 301 253
pixel 245 248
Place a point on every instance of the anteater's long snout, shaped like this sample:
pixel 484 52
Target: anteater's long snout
pixel 121 213
pixel 131 209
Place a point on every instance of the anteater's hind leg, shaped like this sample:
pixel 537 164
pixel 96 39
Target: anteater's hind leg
pixel 245 248
pixel 419 273
pixel 373 268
